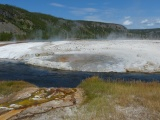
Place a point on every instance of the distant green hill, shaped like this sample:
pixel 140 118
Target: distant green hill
pixel 144 33
pixel 20 24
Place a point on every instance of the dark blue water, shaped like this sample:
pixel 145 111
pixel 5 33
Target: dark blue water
pixel 43 77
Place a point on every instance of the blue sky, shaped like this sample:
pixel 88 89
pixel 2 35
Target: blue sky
pixel 135 14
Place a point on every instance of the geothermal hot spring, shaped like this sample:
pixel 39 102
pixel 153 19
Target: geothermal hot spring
pixel 67 63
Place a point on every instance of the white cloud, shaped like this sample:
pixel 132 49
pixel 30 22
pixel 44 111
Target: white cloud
pixel 57 5
pixel 145 21
pixel 127 22
pixel 158 21
pixel 150 24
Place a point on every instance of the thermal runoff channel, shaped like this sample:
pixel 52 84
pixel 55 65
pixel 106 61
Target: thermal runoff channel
pixel 93 56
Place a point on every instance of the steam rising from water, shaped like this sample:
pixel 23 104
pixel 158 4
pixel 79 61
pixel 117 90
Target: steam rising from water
pixel 95 56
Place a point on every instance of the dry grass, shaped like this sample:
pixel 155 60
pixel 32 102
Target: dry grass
pixel 9 87
pixel 119 100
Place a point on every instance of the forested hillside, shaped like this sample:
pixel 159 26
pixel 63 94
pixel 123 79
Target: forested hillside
pixel 17 23
pixel 20 24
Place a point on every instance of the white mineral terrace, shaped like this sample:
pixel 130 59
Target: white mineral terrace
pixel 94 56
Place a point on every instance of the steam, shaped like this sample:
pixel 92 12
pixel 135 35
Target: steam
pixel 102 56
pixel 89 55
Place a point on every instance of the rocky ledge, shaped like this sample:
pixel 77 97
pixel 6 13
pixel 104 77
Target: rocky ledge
pixel 40 103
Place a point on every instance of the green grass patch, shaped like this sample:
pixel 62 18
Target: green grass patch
pixel 102 98
pixel 9 87
pixel 126 92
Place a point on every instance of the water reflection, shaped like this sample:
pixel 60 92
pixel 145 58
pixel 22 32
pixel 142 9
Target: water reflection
pixel 42 77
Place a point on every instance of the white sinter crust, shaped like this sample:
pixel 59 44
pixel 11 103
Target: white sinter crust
pixel 94 56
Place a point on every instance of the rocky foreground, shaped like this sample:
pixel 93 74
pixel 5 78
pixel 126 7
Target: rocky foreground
pixel 40 103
